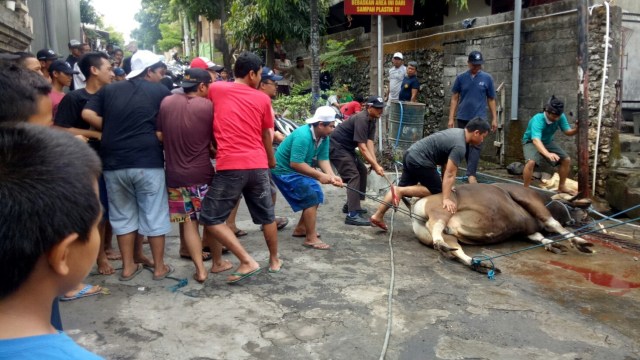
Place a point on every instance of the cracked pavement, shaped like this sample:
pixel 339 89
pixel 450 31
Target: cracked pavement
pixel 333 304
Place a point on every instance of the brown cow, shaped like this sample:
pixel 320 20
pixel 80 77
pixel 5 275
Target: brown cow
pixel 487 214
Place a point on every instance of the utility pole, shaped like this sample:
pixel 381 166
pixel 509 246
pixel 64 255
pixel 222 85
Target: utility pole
pixel 583 99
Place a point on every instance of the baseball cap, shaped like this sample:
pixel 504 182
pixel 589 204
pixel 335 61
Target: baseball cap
pixel 195 76
pixel 62 66
pixel 47 54
pixel 398 55
pixel 375 101
pixel 268 74
pixel 475 58
pixel 118 71
pixel 199 63
pixel 299 58
pixel 74 43
pixel 141 60
pixel 323 114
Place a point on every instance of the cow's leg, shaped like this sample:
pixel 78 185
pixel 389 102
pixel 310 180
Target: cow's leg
pixel 549 245
pixel 436 228
pixel 579 243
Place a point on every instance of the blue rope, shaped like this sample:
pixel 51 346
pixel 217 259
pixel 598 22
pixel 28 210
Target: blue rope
pixel 477 259
pixel 400 125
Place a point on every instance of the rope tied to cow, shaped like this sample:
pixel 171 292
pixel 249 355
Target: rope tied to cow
pixel 478 259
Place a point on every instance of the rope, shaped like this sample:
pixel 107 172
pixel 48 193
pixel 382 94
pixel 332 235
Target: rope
pixel 391 281
pixel 476 260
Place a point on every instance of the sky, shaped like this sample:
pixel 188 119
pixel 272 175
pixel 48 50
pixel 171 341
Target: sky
pixel 119 14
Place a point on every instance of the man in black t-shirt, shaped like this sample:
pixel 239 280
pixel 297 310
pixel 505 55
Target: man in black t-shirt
pixel 358 132
pixel 96 68
pixel 133 161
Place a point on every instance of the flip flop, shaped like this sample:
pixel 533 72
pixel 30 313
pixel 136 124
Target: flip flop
pixel 206 256
pixel 135 273
pixel 84 292
pixel 282 223
pixel 271 271
pixel 317 246
pixel 304 235
pixel 379 224
pixel 243 276
pixel 240 233
pixel 169 272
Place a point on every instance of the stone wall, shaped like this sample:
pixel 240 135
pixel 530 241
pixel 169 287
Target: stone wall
pixel 608 130
pixel 548 67
pixel 15 27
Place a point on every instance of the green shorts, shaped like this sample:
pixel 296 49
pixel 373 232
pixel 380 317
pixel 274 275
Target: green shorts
pixel 531 153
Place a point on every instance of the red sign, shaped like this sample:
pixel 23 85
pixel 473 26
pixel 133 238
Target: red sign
pixel 378 7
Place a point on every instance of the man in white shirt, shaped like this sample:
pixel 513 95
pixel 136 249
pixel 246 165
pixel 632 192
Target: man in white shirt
pixel 396 74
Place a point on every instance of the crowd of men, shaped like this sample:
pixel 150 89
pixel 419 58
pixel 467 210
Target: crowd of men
pixel 131 156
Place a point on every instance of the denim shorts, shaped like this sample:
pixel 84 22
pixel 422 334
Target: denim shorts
pixel 225 191
pixel 138 201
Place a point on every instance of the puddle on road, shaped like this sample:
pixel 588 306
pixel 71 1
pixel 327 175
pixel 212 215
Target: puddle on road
pixel 604 286
pixel 597 277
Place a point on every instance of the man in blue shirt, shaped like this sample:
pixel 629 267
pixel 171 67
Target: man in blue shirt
pixel 410 84
pixel 473 91
pixel 538 145
pixel 298 180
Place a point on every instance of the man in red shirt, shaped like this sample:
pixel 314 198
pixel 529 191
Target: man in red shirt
pixel 243 131
pixel 352 107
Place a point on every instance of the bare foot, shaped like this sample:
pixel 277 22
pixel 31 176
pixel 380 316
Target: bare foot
pixel 105 268
pixel 141 259
pixel 200 278
pixel 113 254
pixel 567 191
pixel 224 265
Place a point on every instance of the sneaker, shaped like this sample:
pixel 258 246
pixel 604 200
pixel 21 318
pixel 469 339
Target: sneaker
pixel 345 210
pixel 357 220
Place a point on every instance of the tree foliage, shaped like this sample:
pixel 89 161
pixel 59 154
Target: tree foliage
pixel 88 14
pixel 150 16
pixel 253 21
pixel 334 57
pixel 115 37
pixel 171 36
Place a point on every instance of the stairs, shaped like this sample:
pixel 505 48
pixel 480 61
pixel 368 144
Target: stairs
pixel 623 182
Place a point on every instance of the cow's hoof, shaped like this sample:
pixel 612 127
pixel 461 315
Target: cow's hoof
pixel 582 245
pixel 556 248
pixel 484 268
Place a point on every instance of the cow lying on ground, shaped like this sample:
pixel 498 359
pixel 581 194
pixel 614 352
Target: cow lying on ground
pixel 487 214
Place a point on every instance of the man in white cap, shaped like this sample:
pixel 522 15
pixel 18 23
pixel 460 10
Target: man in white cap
pixel 133 161
pixel 396 74
pixel 297 179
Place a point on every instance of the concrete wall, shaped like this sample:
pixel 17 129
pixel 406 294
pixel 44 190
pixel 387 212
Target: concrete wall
pixel 631 61
pixel 15 28
pixel 66 23
pixel 548 67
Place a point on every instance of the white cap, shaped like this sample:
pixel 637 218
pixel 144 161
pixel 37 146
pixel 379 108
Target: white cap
pixel 323 114
pixel 398 55
pixel 141 60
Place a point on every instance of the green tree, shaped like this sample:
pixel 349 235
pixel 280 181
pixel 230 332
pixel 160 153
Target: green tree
pixel 115 37
pixel 171 36
pixel 151 14
pixel 257 21
pixel 88 14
